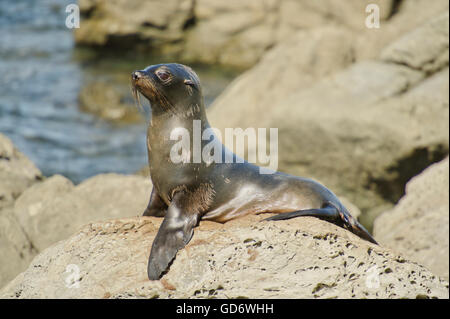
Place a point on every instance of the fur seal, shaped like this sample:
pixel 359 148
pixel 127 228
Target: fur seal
pixel 183 193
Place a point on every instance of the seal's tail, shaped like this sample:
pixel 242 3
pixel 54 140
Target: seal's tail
pixel 331 213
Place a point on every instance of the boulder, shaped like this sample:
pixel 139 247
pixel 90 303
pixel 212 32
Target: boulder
pixel 127 23
pixel 245 258
pixel 108 101
pixel 424 49
pixel 239 33
pixel 363 131
pixel 289 67
pixel 17 172
pixel 16 250
pixel 405 16
pixel 418 226
pixel 55 209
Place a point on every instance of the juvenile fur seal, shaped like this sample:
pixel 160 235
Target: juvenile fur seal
pixel 184 193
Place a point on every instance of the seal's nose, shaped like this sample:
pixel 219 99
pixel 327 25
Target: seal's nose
pixel 136 75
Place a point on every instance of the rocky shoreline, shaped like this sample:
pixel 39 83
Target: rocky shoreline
pixel 365 112
pixel 96 227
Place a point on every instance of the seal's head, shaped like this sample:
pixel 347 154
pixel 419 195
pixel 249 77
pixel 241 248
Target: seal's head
pixel 169 87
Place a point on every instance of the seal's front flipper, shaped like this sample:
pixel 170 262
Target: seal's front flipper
pixel 174 233
pixel 156 206
pixel 332 214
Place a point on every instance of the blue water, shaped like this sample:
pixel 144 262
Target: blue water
pixel 40 80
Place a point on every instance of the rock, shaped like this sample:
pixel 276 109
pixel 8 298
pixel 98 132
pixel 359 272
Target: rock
pixel 418 226
pixel 424 49
pixel 239 33
pixel 300 258
pixel 232 32
pixel 17 172
pixel 16 251
pixel 55 209
pixel 378 123
pixel 404 17
pixel 287 68
pixel 130 22
pixel 35 214
pixel 106 101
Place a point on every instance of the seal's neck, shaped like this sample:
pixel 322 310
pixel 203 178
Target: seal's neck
pixel 180 115
pixel 164 126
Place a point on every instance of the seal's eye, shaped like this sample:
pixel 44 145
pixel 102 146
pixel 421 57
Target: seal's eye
pixel 163 75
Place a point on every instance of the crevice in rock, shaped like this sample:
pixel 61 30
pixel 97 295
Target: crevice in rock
pixel 395 7
pixel 88 13
pixel 191 20
pixel 422 68
pixel 154 26
pixel 391 186
pixel 189 23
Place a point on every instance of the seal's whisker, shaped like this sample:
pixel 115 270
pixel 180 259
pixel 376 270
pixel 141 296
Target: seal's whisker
pixel 137 98
pixel 138 95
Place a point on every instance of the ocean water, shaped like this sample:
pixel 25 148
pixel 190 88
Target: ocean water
pixel 41 75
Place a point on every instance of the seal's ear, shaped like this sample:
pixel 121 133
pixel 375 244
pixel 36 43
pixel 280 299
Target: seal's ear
pixel 188 82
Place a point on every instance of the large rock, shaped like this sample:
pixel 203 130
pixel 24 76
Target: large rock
pixel 128 22
pixel 107 101
pixel 418 226
pixel 239 33
pixel 228 32
pixel 300 258
pixel 291 66
pixel 424 49
pixel 405 16
pixel 17 172
pixel 16 250
pixel 55 209
pixel 363 131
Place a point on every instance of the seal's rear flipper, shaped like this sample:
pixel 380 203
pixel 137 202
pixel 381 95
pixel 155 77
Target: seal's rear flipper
pixel 332 214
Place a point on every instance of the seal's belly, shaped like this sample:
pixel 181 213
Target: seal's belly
pixel 248 201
